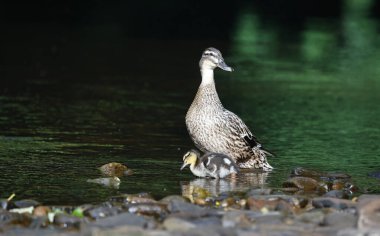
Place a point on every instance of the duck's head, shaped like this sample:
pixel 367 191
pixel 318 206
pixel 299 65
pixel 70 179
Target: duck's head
pixel 190 158
pixel 212 58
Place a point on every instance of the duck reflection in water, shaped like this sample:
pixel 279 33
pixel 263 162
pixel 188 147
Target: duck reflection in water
pixel 204 187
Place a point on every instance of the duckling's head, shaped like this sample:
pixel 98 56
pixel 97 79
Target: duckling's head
pixel 190 158
pixel 212 58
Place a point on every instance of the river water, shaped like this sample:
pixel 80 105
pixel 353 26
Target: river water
pixel 72 101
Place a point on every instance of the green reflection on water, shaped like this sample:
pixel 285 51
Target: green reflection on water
pixel 317 109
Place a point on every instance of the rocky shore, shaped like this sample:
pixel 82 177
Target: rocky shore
pixel 309 203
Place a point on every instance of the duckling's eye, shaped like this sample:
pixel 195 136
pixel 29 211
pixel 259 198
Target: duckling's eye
pixel 186 155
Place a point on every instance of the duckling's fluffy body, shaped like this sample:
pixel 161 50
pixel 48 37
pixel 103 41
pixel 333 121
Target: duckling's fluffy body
pixel 213 165
pixel 216 129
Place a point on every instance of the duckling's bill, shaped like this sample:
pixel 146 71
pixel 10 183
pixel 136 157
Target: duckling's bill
pixel 184 165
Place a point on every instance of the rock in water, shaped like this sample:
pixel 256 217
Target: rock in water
pixel 113 182
pixel 114 169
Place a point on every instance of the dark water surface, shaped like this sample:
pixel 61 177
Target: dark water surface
pixel 70 102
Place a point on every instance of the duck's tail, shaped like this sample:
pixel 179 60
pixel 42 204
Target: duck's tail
pixel 258 160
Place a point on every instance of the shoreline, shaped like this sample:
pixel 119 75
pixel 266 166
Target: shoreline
pixel 305 205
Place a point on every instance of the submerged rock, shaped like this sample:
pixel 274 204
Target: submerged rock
pixel 302 183
pixel 302 172
pixel 375 174
pixel 115 169
pixel 113 182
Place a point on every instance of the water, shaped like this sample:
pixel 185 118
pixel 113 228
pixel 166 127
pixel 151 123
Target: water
pixel 311 98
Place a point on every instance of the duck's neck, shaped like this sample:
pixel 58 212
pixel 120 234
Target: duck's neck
pixel 207 77
pixel 207 92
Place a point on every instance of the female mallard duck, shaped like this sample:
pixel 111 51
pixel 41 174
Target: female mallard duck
pixel 214 165
pixel 214 128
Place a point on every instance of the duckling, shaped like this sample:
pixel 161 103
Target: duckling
pixel 216 129
pixel 214 165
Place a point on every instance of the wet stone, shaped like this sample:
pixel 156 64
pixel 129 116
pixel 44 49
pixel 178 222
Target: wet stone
pixel 112 182
pixel 340 219
pixel 150 209
pixel 268 218
pixel 207 221
pixel 67 221
pixel 270 203
pixel 113 169
pixel 375 174
pixel 259 191
pixel 337 194
pixel 26 203
pixel 122 220
pixel 9 218
pixel 303 183
pixel 176 206
pixel 328 202
pixel 178 224
pixel 236 219
pixel 315 217
pixel 41 211
pixel 302 172
pixel 133 198
pixel 368 211
pixel 5 204
pixel 101 212
pixel 170 198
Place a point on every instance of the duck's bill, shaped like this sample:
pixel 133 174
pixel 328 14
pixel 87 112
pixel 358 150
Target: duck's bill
pixel 222 65
pixel 183 166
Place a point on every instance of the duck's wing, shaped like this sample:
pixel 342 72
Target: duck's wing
pixel 239 130
pixel 208 163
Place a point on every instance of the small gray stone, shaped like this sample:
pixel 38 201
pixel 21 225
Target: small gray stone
pixel 235 219
pixel 314 217
pixel 337 194
pixel 102 211
pixel 339 219
pixel 26 203
pixel 207 221
pixel 122 219
pixel 328 202
pixel 358 232
pixel 177 224
pixel 177 206
pixel 259 191
pixel 170 198
pixel 67 221
pixel 368 210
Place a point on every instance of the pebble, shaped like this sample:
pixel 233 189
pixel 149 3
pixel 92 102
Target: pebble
pixel 368 211
pixel 302 183
pixel 177 224
pixel 259 211
pixel 340 219
pixel 101 212
pixel 122 220
pixel 66 221
pixel 329 202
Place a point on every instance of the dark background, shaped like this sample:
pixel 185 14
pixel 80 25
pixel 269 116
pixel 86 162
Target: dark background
pixel 61 39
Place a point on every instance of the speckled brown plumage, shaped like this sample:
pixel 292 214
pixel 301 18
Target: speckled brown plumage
pixel 216 129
